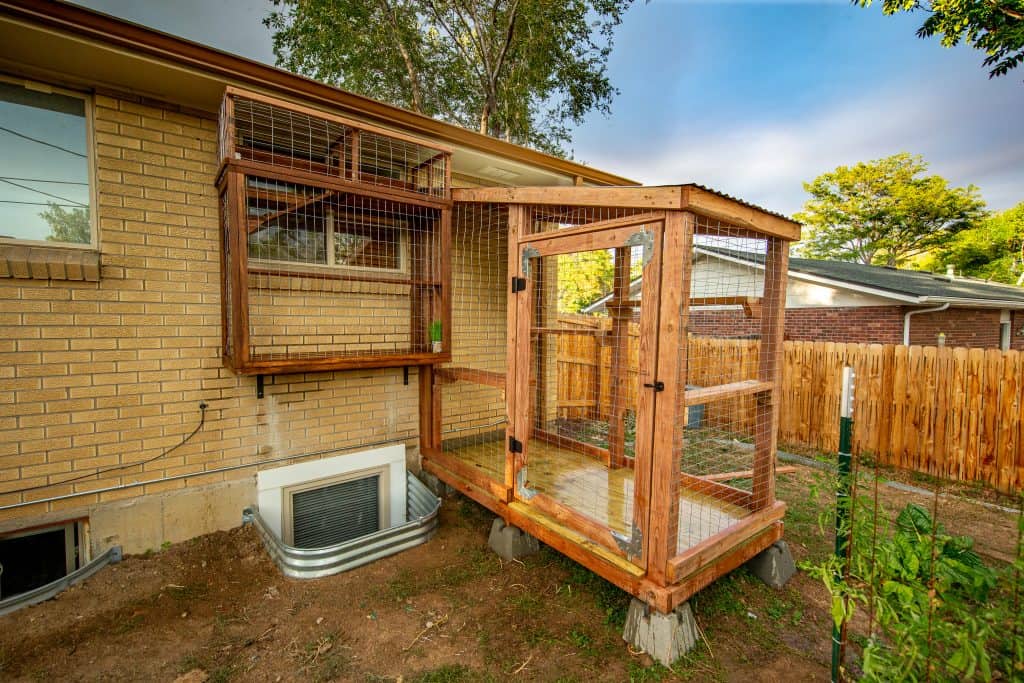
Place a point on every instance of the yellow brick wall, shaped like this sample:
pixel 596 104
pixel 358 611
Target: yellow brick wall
pixel 479 299
pixel 94 375
pixel 297 315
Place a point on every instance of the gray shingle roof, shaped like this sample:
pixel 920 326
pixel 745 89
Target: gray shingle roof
pixel 905 282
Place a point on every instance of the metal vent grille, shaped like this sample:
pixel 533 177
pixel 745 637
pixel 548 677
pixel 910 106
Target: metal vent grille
pixel 336 513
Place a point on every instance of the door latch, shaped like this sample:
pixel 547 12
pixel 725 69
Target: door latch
pixel 656 385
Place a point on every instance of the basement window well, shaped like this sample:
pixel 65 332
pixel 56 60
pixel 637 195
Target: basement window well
pixel 33 558
pixel 326 516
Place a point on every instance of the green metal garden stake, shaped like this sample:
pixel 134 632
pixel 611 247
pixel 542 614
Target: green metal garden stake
pixel 843 508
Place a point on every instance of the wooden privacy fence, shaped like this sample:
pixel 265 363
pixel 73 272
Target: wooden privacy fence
pixel 954 413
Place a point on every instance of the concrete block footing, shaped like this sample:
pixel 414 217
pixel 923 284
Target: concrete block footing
pixel 774 565
pixel 511 542
pixel 665 637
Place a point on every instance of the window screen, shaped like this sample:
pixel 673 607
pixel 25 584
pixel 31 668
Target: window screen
pixel 336 513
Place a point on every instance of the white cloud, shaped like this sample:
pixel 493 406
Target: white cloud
pixel 966 136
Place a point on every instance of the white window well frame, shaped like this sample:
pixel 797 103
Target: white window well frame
pixel 90 161
pixel 271 484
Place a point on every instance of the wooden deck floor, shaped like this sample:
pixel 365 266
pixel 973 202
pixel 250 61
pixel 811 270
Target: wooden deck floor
pixel 605 495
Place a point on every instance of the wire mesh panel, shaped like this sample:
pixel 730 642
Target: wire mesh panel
pixel 258 129
pixel 334 274
pixel 553 218
pixel 337 247
pixel 473 385
pixel 723 430
pixel 587 426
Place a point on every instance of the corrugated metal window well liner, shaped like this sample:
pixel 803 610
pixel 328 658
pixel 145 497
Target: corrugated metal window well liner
pixel 346 513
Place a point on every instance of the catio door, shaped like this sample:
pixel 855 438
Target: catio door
pixel 581 433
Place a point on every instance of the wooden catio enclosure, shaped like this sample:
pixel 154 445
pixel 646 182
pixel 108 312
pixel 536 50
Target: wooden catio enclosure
pixel 673 484
pixel 345 246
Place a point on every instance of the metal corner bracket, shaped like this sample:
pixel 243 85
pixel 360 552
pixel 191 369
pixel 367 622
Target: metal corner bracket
pixel 643 238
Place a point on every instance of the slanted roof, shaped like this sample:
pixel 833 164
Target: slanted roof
pixel 882 280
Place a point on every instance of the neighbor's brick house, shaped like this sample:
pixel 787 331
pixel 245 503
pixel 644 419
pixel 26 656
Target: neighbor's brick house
pixel 850 302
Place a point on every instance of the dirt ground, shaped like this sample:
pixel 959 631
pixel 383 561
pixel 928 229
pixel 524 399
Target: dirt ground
pixel 216 608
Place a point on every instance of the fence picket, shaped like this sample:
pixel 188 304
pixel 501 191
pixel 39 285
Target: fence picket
pixel 949 412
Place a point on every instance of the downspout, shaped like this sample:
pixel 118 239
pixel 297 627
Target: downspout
pixel 906 319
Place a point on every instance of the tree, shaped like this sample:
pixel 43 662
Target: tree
pixel 583 278
pixel 995 26
pixel 994 250
pixel 68 226
pixel 522 70
pixel 884 211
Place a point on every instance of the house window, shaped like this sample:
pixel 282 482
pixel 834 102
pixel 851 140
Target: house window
pixel 297 224
pixel 45 181
pixel 30 559
pixel 1004 330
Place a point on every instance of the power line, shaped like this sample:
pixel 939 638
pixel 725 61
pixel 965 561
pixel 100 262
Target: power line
pixel 42 142
pixel 202 421
pixel 67 206
pixel 41 180
pixel 47 194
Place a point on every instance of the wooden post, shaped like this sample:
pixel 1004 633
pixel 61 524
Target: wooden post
pixel 669 410
pixel 621 313
pixel 518 226
pixel 354 170
pixel 240 292
pixel 776 269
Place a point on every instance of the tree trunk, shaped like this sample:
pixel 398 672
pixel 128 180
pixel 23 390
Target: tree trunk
pixel 485 119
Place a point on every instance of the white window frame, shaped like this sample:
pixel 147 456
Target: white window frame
pixel 90 162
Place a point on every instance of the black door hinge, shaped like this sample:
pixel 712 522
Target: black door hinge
pixel 656 385
pixel 515 445
pixel 518 284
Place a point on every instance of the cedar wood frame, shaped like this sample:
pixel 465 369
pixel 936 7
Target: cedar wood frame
pixel 654 573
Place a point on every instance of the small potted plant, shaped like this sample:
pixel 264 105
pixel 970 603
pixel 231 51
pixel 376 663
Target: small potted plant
pixel 435 336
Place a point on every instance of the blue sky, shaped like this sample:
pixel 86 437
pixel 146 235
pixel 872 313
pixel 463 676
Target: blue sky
pixel 750 97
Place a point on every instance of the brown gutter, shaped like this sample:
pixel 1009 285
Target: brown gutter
pixel 103 28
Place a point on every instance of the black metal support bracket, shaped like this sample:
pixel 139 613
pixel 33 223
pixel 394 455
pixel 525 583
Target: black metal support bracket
pixel 259 386
pixel 518 284
pixel 405 375
pixel 514 445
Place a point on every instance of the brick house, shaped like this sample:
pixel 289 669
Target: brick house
pixel 112 318
pixel 226 287
pixel 851 302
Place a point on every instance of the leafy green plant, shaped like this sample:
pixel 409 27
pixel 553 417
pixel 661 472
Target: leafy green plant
pixel 940 611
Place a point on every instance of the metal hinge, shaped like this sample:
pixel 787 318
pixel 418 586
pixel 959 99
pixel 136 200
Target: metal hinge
pixel 518 284
pixel 529 252
pixel 515 445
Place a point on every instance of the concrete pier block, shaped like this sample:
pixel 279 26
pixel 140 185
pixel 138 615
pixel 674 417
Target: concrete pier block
pixel 665 637
pixel 774 565
pixel 511 542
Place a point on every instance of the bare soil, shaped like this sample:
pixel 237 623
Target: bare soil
pixel 216 608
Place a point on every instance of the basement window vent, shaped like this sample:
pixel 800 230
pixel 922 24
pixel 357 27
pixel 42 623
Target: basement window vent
pixel 335 510
pixel 33 558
